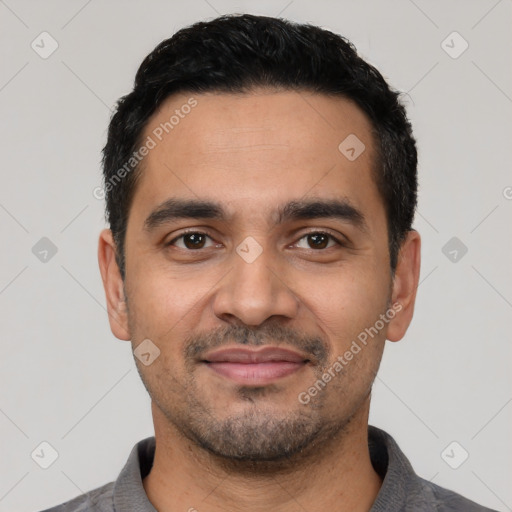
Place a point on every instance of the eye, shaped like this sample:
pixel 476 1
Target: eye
pixel 192 240
pixel 195 240
pixel 318 240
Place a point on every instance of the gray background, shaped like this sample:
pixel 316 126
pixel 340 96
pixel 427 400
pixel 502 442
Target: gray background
pixel 66 380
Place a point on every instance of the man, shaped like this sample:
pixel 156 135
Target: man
pixel 261 185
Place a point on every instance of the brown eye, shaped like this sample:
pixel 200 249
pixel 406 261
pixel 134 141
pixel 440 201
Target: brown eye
pixel 190 241
pixel 318 240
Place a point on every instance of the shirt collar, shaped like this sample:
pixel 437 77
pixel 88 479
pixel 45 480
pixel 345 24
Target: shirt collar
pixel 129 493
pixel 387 459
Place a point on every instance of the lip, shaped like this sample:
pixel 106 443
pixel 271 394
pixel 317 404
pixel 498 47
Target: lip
pixel 245 355
pixel 254 367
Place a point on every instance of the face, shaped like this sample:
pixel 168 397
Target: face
pixel 256 256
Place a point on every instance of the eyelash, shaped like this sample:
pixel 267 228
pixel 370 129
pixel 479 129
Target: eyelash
pixel 193 232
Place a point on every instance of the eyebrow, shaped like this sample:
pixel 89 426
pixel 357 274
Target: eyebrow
pixel 173 209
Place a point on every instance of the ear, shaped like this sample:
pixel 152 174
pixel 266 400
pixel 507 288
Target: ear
pixel 405 285
pixel 113 285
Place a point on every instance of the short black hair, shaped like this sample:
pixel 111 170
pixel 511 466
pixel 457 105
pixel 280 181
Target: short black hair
pixel 238 53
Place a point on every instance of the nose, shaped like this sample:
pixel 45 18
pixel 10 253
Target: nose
pixel 254 291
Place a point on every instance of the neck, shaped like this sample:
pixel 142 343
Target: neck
pixel 339 476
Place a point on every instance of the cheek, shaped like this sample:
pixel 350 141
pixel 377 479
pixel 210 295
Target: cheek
pixel 160 297
pixel 348 304
pixel 166 310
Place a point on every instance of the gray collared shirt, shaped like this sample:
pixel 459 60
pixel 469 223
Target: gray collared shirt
pixel 401 491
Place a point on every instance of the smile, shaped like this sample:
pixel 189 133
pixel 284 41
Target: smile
pixel 256 368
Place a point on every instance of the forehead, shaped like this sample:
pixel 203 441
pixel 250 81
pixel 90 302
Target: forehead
pixel 253 150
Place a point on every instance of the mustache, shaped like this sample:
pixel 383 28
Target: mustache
pixel 270 334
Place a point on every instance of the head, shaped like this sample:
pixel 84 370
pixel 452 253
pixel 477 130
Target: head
pixel 291 165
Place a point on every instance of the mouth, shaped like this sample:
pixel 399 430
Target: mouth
pixel 255 367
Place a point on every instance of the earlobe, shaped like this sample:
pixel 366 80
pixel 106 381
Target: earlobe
pixel 113 286
pixel 405 285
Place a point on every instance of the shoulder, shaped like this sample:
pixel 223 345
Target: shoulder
pixel 402 489
pixel 445 500
pixel 97 500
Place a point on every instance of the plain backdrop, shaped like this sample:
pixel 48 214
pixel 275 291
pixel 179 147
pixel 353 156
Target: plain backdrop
pixel 65 380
